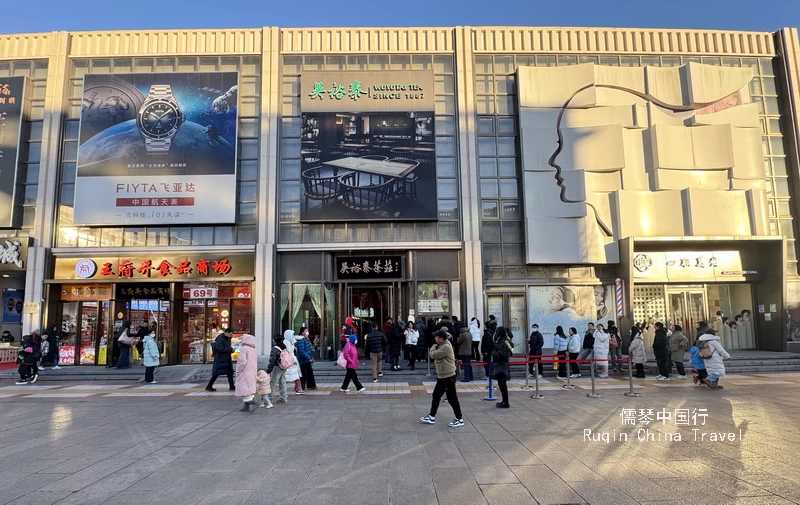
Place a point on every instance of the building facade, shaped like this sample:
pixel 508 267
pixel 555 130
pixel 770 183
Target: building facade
pixel 556 176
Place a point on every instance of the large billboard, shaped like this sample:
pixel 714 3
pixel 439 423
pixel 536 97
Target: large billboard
pixel 569 306
pixel 12 95
pixel 368 149
pixel 157 149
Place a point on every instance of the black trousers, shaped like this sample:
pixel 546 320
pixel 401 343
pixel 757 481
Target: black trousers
pixel 487 358
pixel 148 373
pixel 574 369
pixel 446 386
pixel 476 351
pixel 664 365
pixel 679 366
pixel 307 378
pixel 349 375
pixel 562 367
pixel 540 366
pixel 215 376
pixel 639 370
pixel 25 371
pixel 503 387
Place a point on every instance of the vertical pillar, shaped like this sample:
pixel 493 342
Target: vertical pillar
pixel 47 196
pixel 264 288
pixel 468 163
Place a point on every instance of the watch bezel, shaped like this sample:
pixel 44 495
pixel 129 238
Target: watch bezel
pixel 167 134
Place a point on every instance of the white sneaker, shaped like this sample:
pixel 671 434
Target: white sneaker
pixel 456 423
pixel 604 376
pixel 573 376
pixel 300 392
pixel 268 406
pixel 681 376
pixel 561 378
pixel 541 377
pixel 361 390
pixel 56 367
pixel 21 382
pixel 661 378
pixel 343 390
pixel 42 368
pixel 152 382
pixel 428 419
pixel 35 376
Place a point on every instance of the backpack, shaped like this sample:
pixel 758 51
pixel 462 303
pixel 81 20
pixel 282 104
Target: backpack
pixel 574 344
pixel 285 361
pixel 704 350
pixel 45 347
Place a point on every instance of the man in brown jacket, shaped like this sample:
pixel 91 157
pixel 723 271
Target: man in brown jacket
pixel 442 353
pixel 464 343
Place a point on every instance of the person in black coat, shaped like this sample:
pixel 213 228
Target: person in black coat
pixel 487 346
pixel 501 355
pixel 447 324
pixel 535 344
pixel 223 364
pixel 422 340
pixel 457 325
pixel 51 335
pixel 430 329
pixel 661 350
pixel 396 340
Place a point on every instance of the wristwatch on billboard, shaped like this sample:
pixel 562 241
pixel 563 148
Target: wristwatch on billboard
pixel 159 119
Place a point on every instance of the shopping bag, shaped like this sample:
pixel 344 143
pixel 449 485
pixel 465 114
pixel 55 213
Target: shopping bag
pixel 341 361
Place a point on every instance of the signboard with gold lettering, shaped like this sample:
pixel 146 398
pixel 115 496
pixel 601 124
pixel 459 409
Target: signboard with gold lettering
pixel 369 267
pixel 367 91
pixel 690 266
pixel 12 93
pixel 175 268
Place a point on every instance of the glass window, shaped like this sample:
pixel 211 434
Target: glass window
pixel 223 235
pixel 506 146
pixel 180 236
pixel 379 63
pixel 202 235
pixel 567 59
pixel 443 84
pixel 443 64
pixel 483 65
pixel 776 144
pixel 134 237
pixel 489 188
pixel 490 210
pixel 446 167
pixel 421 62
pixel 491 232
pixel 492 254
pixel 447 188
pixel 487 146
pixel 781 187
pixel 488 167
pixel 157 236
pixel 508 167
pixel 445 125
pixel 484 84
pixel 512 210
pixel 486 125
pixel 779 166
pixel 509 188
pixel 506 125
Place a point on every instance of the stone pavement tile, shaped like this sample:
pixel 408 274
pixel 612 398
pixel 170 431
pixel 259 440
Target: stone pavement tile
pixel 514 453
pixel 320 496
pixel 409 470
pixel 197 437
pixel 415 495
pixel 226 497
pixel 40 498
pixel 365 492
pixel 12 493
pixel 567 467
pixel 507 494
pixel 132 497
pixel 489 469
pixel 456 487
pixel 601 493
pixel 280 487
pixel 494 432
pixel 545 486
pixel 471 442
pixel 247 474
pixel 167 476
pixel 186 491
pixel 89 475
pixel 443 454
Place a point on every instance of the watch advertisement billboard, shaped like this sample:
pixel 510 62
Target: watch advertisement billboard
pixel 157 149
pixel 368 149
pixel 12 94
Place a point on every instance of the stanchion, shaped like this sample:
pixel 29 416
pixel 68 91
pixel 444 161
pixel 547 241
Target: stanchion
pixel 490 398
pixel 593 394
pixel 568 385
pixel 630 380
pixel 536 394
pixel 527 386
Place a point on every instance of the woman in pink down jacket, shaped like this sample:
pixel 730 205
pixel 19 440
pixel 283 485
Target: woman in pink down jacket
pixel 246 370
pixel 351 356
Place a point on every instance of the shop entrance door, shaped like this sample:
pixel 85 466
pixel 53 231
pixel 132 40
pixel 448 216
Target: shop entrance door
pixel 151 313
pixel 510 311
pixel 84 333
pixel 686 307
pixel 369 306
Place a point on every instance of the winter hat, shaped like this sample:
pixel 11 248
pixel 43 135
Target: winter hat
pixel 353 339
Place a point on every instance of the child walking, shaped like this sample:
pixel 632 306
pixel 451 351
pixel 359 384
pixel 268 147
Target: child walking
pixel 263 390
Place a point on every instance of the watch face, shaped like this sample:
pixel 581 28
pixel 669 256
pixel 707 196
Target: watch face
pixel 159 119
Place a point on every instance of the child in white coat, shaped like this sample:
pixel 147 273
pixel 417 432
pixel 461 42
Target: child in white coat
pixel 601 340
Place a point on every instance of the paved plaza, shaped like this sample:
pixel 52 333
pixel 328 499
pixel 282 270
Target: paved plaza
pixel 174 444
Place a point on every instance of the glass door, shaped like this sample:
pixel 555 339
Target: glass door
pixel 509 309
pixel 369 306
pixel 87 344
pixel 67 349
pixel 686 307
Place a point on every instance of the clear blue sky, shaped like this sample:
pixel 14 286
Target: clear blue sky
pixel 23 16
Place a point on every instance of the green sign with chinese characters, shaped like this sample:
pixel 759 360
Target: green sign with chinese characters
pixel 392 90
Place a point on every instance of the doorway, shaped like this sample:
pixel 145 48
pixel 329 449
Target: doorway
pixel 85 333
pixel 510 311
pixel 369 306
pixel 686 306
pixel 150 313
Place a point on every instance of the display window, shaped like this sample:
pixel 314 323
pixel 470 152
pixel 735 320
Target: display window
pixel 207 309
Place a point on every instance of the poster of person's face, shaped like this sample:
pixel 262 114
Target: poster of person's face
pixel 568 306
pixel 157 149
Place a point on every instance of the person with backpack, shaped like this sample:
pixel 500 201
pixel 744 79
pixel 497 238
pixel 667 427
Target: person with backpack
pixel 223 364
pixel 351 356
pixel 51 357
pixel 560 348
pixel 711 351
pixel 574 349
pixel 246 371
pixel 661 350
pixel 636 351
pixel 678 345
pixel 501 355
pixel 150 355
pixel 293 372
pixel 279 361
pixel 27 359
pixel 535 345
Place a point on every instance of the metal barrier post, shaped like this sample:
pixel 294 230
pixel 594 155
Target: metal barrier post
pixel 527 385
pixel 630 380
pixel 536 394
pixel 568 385
pixel 490 398
pixel 593 394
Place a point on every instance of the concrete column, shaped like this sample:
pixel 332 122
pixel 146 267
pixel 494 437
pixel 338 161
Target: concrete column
pixel 468 163
pixel 47 197
pixel 264 289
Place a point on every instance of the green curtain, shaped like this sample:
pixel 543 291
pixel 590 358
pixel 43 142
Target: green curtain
pixel 284 299
pixel 315 292
pixel 298 293
pixel 330 302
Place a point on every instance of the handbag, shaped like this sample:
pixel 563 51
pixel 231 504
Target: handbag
pixel 342 362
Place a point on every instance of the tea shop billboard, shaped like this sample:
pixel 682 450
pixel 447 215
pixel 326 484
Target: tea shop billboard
pixel 381 91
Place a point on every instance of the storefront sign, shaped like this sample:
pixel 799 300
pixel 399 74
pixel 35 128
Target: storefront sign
pixel 85 292
pixel 691 266
pixel 144 291
pixel 13 251
pixel 335 91
pixel 433 298
pixel 173 268
pixel 369 267
pixel 12 94
pixel 157 149
pixel 196 293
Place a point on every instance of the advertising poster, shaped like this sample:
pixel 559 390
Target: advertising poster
pixel 569 306
pixel 368 149
pixel 433 298
pixel 12 93
pixel 13 302
pixel 157 149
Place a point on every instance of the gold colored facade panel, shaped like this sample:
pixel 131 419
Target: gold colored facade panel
pixel 367 40
pixel 25 46
pixel 610 40
pixel 174 42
